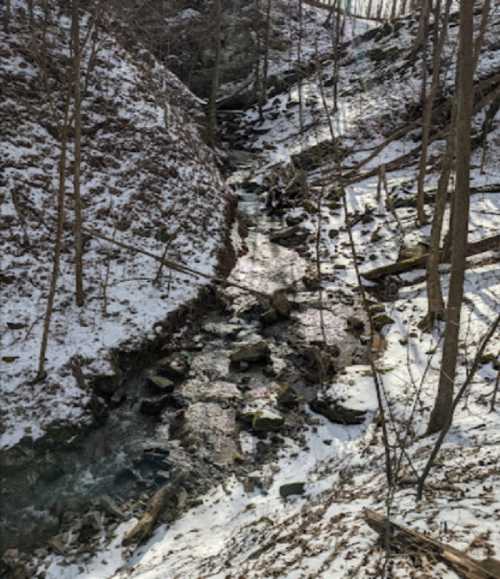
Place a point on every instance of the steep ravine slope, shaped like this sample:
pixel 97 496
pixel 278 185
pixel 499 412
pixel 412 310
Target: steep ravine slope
pixel 147 179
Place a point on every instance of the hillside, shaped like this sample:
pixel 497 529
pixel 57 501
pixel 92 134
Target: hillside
pixel 147 180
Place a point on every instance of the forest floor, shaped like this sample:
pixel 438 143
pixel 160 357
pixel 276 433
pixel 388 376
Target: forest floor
pixel 242 530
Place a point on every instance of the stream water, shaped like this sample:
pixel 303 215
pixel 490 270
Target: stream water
pixel 122 461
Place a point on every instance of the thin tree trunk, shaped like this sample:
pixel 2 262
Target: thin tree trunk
pixel 56 261
pixel 265 71
pixel 440 34
pixel 75 26
pixel 6 16
pixel 442 412
pixel 212 103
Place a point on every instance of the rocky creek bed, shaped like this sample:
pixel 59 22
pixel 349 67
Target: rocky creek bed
pixel 219 398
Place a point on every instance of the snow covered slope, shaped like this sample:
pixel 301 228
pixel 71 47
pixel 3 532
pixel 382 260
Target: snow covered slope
pixel 148 180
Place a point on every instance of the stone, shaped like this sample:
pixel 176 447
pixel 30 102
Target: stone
pixel 355 325
pixel 337 413
pixel 257 351
pixel 292 220
pixel 267 421
pixel 108 505
pixel 290 489
pixel 161 383
pixel 376 309
pixel 280 303
pixel 154 406
pixel 382 320
pixel 175 366
pixel 287 396
pixel 290 236
pixel 90 526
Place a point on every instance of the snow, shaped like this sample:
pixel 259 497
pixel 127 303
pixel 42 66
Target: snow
pixel 152 183
pixel 237 532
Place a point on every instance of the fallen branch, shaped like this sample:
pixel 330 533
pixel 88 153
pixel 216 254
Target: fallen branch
pixel 460 562
pixel 405 265
pixel 176 266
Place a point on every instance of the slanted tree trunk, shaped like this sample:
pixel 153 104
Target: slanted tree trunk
pixel 442 412
pixel 212 101
pixel 75 37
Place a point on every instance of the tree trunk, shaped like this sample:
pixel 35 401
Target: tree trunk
pixel 212 102
pixel 440 34
pixel 56 261
pixel 442 412
pixel 434 292
pixel 6 16
pixel 75 34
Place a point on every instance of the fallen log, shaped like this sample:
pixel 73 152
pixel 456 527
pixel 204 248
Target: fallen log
pixel 405 265
pixel 143 529
pixel 393 534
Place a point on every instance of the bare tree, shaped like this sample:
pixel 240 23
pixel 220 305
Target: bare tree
pixel 56 259
pixel 76 45
pixel 442 412
pixel 212 101
pixel 434 292
pixel 440 34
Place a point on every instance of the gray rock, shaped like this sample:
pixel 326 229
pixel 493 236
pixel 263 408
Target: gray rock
pixel 257 351
pixel 280 303
pixel 381 321
pixel 175 366
pixel 289 489
pixel 337 413
pixel 267 421
pixel 154 406
pixel 160 383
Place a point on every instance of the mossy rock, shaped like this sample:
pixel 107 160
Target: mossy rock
pixel 382 320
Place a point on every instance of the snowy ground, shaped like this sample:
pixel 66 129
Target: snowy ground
pixel 147 180
pixel 237 532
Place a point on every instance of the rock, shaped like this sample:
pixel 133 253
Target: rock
pixel 257 351
pixel 289 489
pixel 337 413
pixel 210 431
pixel 269 317
pixel 376 309
pixel 413 251
pixel 154 406
pixel 108 505
pixel 318 362
pixel 289 236
pixel 292 220
pixel 333 233
pixel 280 303
pixel 160 383
pixel 287 396
pixel 90 526
pixel 381 320
pixel 175 366
pixel 376 235
pixel 355 325
pixel 267 421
